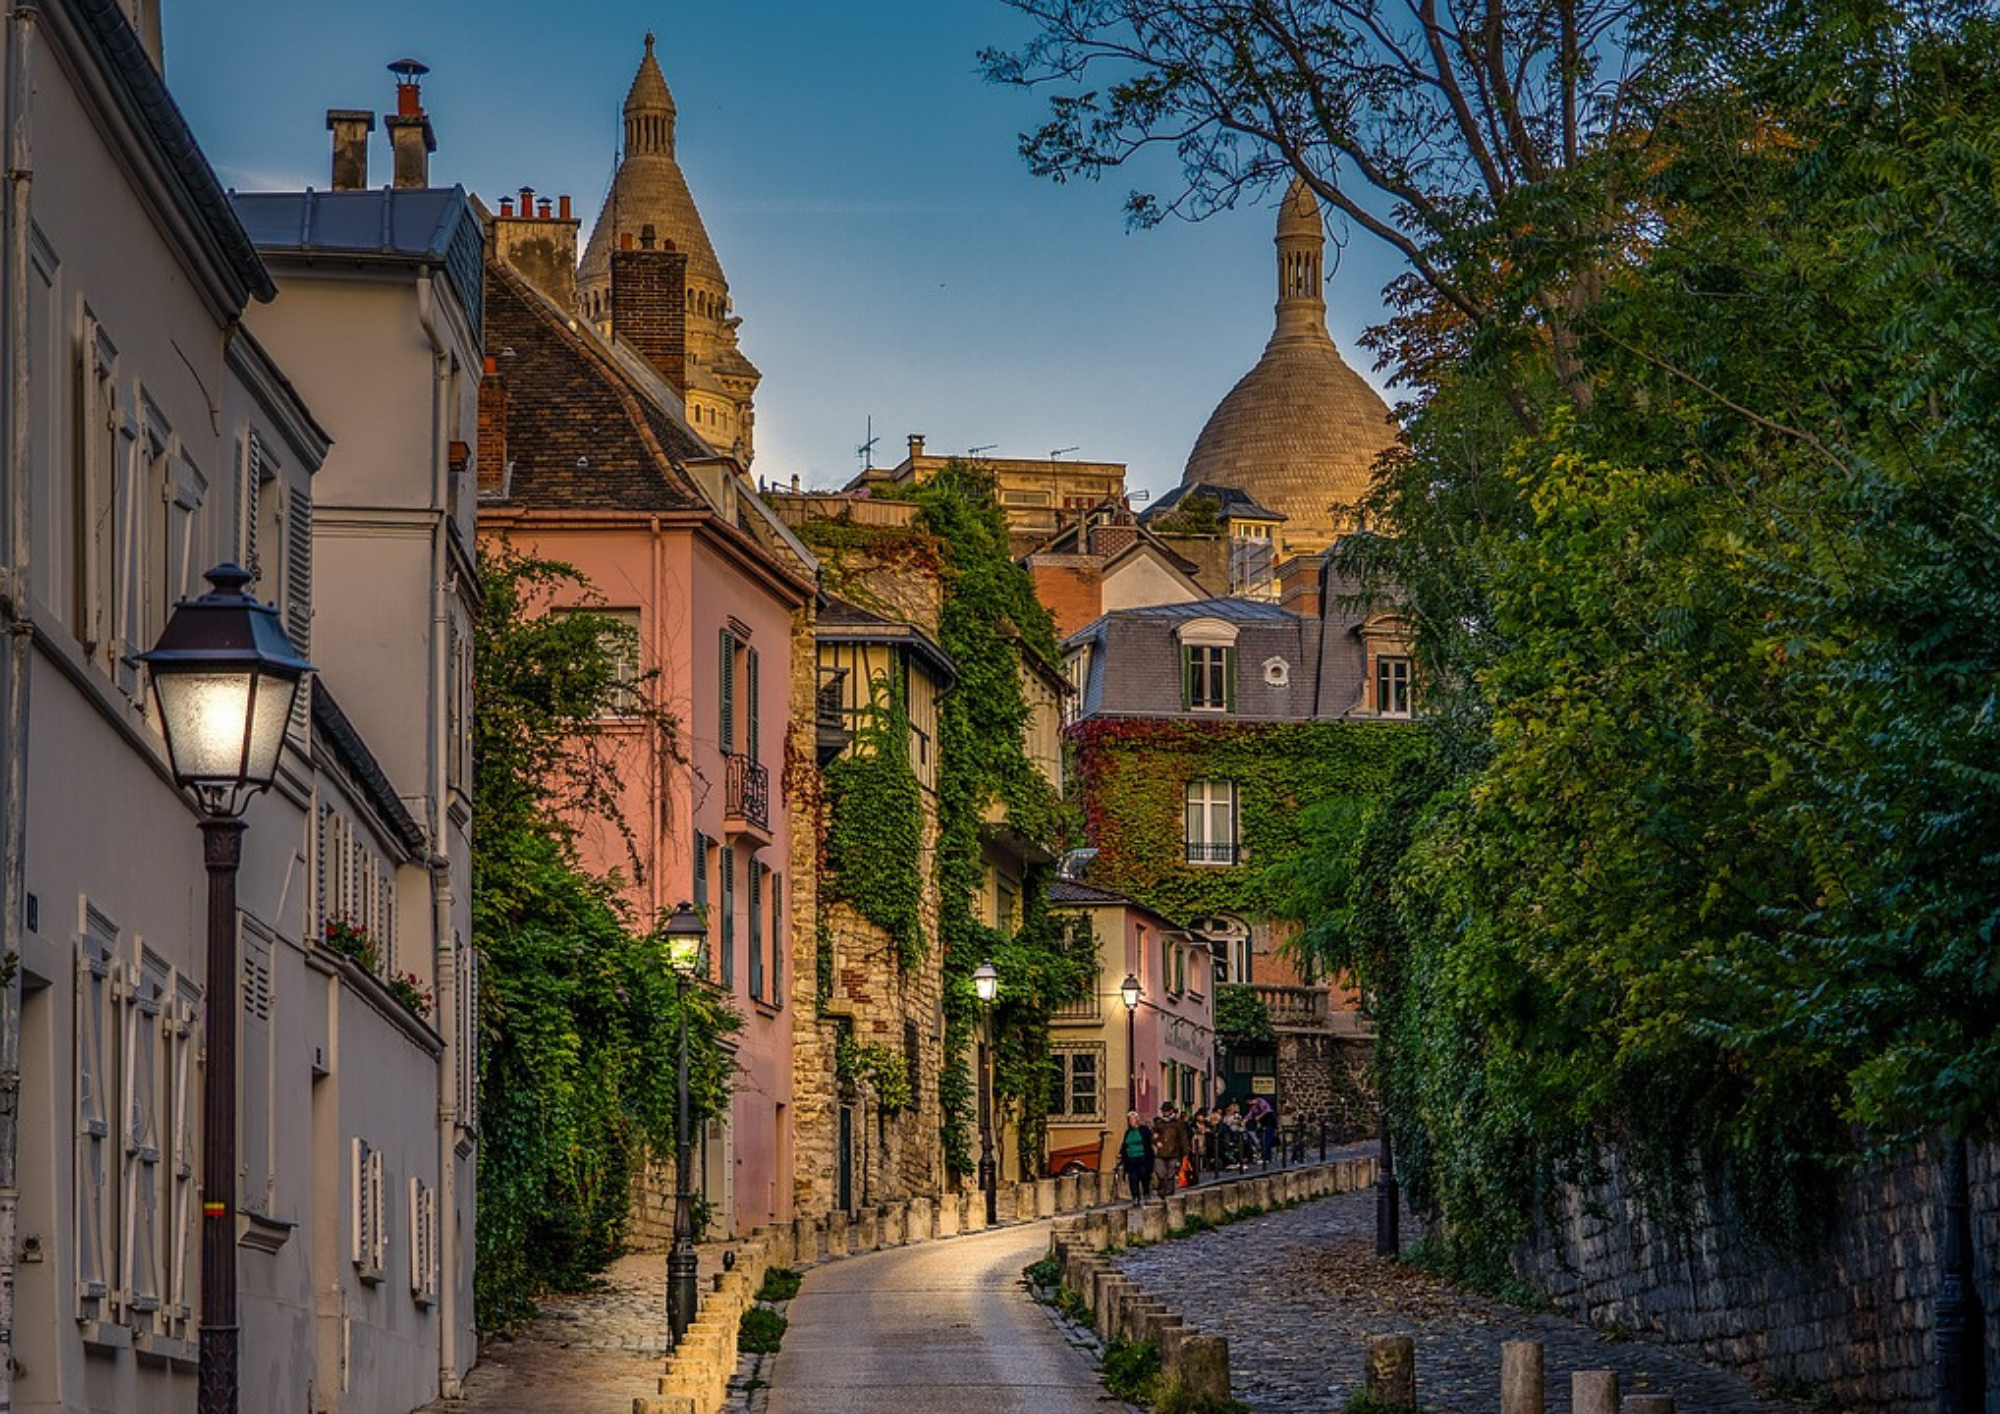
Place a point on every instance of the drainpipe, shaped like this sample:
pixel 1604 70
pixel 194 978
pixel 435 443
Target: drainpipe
pixel 19 630
pixel 444 952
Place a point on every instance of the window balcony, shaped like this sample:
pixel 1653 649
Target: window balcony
pixel 1199 852
pixel 746 807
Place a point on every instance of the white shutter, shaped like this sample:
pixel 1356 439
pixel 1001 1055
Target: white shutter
pixel 140 1138
pixel 252 497
pixel 369 1249
pixel 183 1034
pixel 256 1180
pixel 95 1079
pixel 298 596
pixel 423 1242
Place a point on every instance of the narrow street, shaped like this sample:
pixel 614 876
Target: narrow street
pixel 939 1326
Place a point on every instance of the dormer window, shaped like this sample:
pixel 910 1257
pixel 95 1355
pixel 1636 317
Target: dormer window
pixel 1208 666
pixel 1392 686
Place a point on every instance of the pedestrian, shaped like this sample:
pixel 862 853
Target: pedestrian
pixel 1198 1141
pixel 1170 1146
pixel 1233 1140
pixel 1261 1121
pixel 1135 1155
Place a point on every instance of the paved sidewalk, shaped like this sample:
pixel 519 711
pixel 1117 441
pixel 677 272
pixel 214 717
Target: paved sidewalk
pixel 1298 1292
pixel 589 1352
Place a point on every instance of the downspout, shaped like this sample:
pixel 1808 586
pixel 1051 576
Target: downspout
pixel 19 627
pixel 661 759
pixel 444 952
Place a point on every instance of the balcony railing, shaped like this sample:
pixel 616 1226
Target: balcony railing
pixel 1293 1008
pixel 1206 853
pixel 748 794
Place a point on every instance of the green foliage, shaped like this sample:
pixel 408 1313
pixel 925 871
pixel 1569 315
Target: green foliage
pixel 1044 1272
pixel 995 630
pixel 780 1284
pixel 1364 1404
pixel 1198 514
pixel 1131 1369
pixel 1134 775
pixel 760 1331
pixel 1172 1396
pixel 1242 1019
pixel 885 1071
pixel 578 1015
pixel 1071 1306
pixel 875 829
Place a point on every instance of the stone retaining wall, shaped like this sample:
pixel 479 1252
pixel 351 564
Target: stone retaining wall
pixel 1855 1321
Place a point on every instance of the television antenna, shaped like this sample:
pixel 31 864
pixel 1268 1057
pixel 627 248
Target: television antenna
pixel 986 447
pixel 867 448
pixel 1059 451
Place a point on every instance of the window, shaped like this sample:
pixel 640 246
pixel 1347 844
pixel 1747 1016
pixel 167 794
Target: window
pixel 750 697
pixel 1209 677
pixel 257 1089
pixel 777 938
pixel 726 728
pixel 423 1242
pixel 1078 1093
pixel 756 929
pixel 1211 822
pixel 1392 686
pixel 727 942
pixel 701 893
pixel 368 1213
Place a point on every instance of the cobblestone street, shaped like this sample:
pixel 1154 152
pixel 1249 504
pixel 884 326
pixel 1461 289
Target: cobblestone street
pixel 1297 1293
pixel 589 1352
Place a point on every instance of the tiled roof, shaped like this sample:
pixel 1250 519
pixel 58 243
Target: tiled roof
pixel 580 435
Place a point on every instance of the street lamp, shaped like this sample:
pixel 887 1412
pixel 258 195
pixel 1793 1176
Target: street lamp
pixel 986 986
pixel 685 935
pixel 224 678
pixel 1129 992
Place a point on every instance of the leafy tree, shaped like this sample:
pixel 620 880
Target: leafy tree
pixel 579 1014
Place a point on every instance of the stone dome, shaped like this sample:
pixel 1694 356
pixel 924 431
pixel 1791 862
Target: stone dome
pixel 1301 430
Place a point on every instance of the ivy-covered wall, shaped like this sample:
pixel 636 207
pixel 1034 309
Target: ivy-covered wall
pixel 1133 774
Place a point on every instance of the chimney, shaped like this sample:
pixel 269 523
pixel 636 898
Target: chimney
pixel 350 128
pixel 916 445
pixel 538 246
pixel 410 135
pixel 649 308
pixel 493 412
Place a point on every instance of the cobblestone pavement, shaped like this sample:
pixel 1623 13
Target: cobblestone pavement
pixel 1297 1293
pixel 590 1352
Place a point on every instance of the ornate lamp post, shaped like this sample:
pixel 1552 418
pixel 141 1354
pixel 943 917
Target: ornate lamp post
pixel 224 678
pixel 685 935
pixel 986 985
pixel 1129 992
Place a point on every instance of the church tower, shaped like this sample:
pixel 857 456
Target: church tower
pixel 651 210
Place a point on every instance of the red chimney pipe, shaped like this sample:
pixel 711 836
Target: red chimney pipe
pixel 506 206
pixel 563 208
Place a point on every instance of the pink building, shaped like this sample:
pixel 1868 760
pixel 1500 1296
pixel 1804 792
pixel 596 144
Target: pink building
pixel 586 457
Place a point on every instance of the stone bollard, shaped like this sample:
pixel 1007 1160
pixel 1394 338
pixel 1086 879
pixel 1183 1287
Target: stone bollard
pixel 1647 1404
pixel 1177 1211
pixel 665 1404
pixel 923 1220
pixel 805 1242
pixel 1389 1376
pixel 1593 1392
pixel 1153 1222
pixel 865 1233
pixel 1107 1186
pixel 1103 1282
pixel 895 1224
pixel 838 1242
pixel 972 1212
pixel 1045 1197
pixel 1134 1227
pixel 1521 1380
pixel 949 1205
pixel 1066 1189
pixel 1204 1367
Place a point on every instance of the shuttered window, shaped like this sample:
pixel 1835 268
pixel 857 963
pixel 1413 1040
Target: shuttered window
pixel 256 1176
pixel 726 667
pixel 750 696
pixel 726 941
pixel 777 939
pixel 298 597
pixel 96 1088
pixel 756 882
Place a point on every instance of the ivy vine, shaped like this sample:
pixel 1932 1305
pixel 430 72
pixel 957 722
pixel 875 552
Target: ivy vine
pixel 875 829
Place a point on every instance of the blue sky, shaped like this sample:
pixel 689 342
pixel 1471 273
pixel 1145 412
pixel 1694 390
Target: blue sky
pixel 888 250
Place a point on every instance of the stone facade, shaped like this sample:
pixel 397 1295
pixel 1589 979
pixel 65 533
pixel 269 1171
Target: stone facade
pixel 1323 1079
pixel 1854 1320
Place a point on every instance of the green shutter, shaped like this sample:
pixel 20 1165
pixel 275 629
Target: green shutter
pixel 726 734
pixel 728 940
pixel 1229 679
pixel 750 704
pixel 777 938
pixel 1187 679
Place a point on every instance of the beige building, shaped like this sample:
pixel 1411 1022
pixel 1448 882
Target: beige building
pixel 1040 495
pixel 159 436
pixel 650 208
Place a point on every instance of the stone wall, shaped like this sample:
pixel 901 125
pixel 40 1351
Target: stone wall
pixel 1323 1077
pixel 1854 1321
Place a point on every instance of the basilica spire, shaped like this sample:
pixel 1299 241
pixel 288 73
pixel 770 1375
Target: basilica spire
pixel 1301 244
pixel 649 110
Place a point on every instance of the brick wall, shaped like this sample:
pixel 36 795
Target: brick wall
pixel 649 308
pixel 1853 1321
pixel 1071 587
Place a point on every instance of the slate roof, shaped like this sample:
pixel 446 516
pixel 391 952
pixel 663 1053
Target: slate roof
pixel 1069 893
pixel 840 620
pixel 1231 502
pixel 332 728
pixel 422 225
pixel 137 88
pixel 579 433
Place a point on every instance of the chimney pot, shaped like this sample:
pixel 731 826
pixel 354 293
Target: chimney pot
pixel 625 240
pixel 562 207
pixel 543 208
pixel 648 237
pixel 916 445
pixel 506 206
